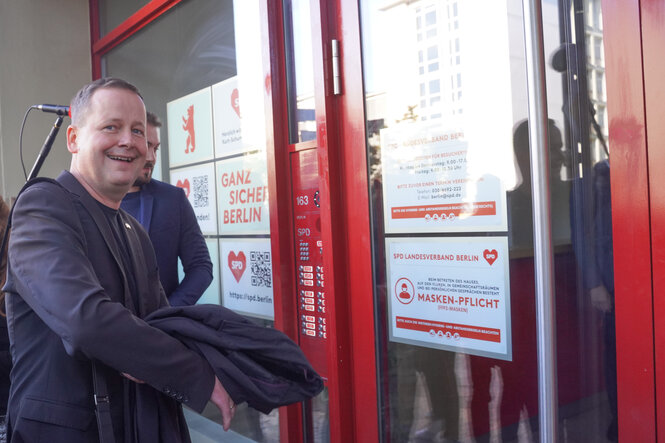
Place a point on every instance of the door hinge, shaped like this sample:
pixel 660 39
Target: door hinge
pixel 336 76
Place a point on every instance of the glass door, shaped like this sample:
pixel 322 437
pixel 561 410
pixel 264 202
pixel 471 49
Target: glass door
pixel 450 170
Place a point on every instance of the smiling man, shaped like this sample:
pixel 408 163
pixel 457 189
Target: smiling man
pixel 81 276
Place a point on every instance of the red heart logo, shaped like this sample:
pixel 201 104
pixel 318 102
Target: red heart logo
pixel 184 185
pixel 490 256
pixel 237 264
pixel 234 101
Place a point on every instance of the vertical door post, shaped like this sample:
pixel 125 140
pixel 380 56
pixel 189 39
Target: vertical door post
pixel 542 230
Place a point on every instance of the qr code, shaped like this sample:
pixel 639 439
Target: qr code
pixel 261 268
pixel 200 191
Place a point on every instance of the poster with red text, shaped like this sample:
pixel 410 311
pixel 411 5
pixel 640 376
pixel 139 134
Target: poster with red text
pixel 246 270
pixel 242 195
pixel 450 293
pixel 434 180
pixel 198 182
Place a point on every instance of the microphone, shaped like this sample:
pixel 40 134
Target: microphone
pixel 55 109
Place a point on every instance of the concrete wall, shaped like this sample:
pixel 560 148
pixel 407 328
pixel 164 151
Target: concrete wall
pixel 44 58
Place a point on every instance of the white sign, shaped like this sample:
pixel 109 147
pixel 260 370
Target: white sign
pixel 190 128
pixel 242 192
pixel 199 185
pixel 246 269
pixel 450 293
pixel 431 182
pixel 226 118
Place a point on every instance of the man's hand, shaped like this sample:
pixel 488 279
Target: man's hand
pixel 222 400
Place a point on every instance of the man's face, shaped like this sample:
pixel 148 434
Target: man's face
pixel 109 144
pixel 152 135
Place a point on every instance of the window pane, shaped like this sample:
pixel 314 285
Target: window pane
pixel 444 373
pixel 206 79
pixel 113 12
pixel 300 75
pixel 430 18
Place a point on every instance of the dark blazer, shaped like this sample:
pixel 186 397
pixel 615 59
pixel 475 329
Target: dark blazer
pixel 258 365
pixel 171 223
pixel 68 303
pixel 5 358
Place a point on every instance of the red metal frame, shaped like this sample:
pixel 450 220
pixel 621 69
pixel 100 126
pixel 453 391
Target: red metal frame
pixel 630 214
pixel 133 24
pixel 332 232
pixel 653 41
pixel 354 189
pixel 94 37
pixel 281 210
pixel 353 408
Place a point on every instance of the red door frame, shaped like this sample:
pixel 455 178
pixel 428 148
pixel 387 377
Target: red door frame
pixel 346 236
pixel 349 190
pixel 100 45
pixel 653 41
pixel 344 21
pixel 279 185
pixel 630 101
pixel 333 226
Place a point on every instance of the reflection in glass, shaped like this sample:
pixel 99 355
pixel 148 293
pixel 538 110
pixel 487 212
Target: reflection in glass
pixel 113 12
pixel 432 392
pixel 317 418
pixel 300 71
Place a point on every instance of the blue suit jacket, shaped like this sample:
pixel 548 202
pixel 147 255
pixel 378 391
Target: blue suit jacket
pixel 169 219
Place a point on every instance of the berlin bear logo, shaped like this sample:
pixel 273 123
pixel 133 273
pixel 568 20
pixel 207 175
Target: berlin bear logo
pixel 188 125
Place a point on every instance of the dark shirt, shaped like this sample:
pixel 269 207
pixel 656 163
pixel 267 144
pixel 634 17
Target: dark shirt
pixel 118 229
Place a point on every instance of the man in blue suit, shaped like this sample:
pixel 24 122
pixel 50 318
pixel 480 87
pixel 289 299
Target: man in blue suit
pixel 165 213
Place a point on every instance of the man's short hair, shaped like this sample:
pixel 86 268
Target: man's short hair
pixel 153 120
pixel 81 100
